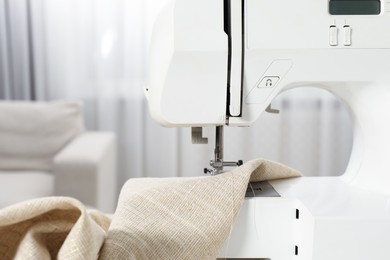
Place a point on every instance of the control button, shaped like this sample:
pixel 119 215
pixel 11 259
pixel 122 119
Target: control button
pixel 347 35
pixel 268 82
pixel 333 35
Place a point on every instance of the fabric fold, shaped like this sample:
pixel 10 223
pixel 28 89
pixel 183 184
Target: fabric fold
pixel 182 218
pixel 170 218
pixel 51 228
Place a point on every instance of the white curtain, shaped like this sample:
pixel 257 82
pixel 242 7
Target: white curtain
pixel 95 50
pixel 16 56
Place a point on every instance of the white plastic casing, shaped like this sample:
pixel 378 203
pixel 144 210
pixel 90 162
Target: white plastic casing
pixel 189 63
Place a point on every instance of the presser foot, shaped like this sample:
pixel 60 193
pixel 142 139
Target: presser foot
pixel 217 166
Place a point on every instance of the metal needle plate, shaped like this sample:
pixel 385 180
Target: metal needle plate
pixel 261 189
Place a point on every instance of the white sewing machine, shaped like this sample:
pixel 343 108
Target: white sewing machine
pixel 222 62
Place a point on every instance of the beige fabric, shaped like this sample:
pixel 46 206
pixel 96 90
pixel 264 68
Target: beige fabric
pixel 31 133
pixel 50 227
pixel 182 218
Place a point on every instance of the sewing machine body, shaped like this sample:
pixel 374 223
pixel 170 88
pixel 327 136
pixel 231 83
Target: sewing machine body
pixel 315 218
pixel 267 47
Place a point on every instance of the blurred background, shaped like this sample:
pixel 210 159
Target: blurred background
pixel 96 51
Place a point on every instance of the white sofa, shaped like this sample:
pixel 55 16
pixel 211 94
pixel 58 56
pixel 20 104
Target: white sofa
pixel 45 151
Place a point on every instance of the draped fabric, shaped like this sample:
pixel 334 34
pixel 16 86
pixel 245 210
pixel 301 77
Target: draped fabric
pixel 156 218
pixel 96 51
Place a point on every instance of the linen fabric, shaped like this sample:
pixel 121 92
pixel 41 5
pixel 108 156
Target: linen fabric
pixel 51 228
pixel 181 218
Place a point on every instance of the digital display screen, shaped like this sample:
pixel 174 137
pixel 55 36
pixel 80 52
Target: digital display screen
pixel 354 7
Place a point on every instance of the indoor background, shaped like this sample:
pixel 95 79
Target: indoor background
pixel 96 51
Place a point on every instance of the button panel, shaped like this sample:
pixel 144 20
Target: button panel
pixel 333 35
pixel 268 82
pixel 347 35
